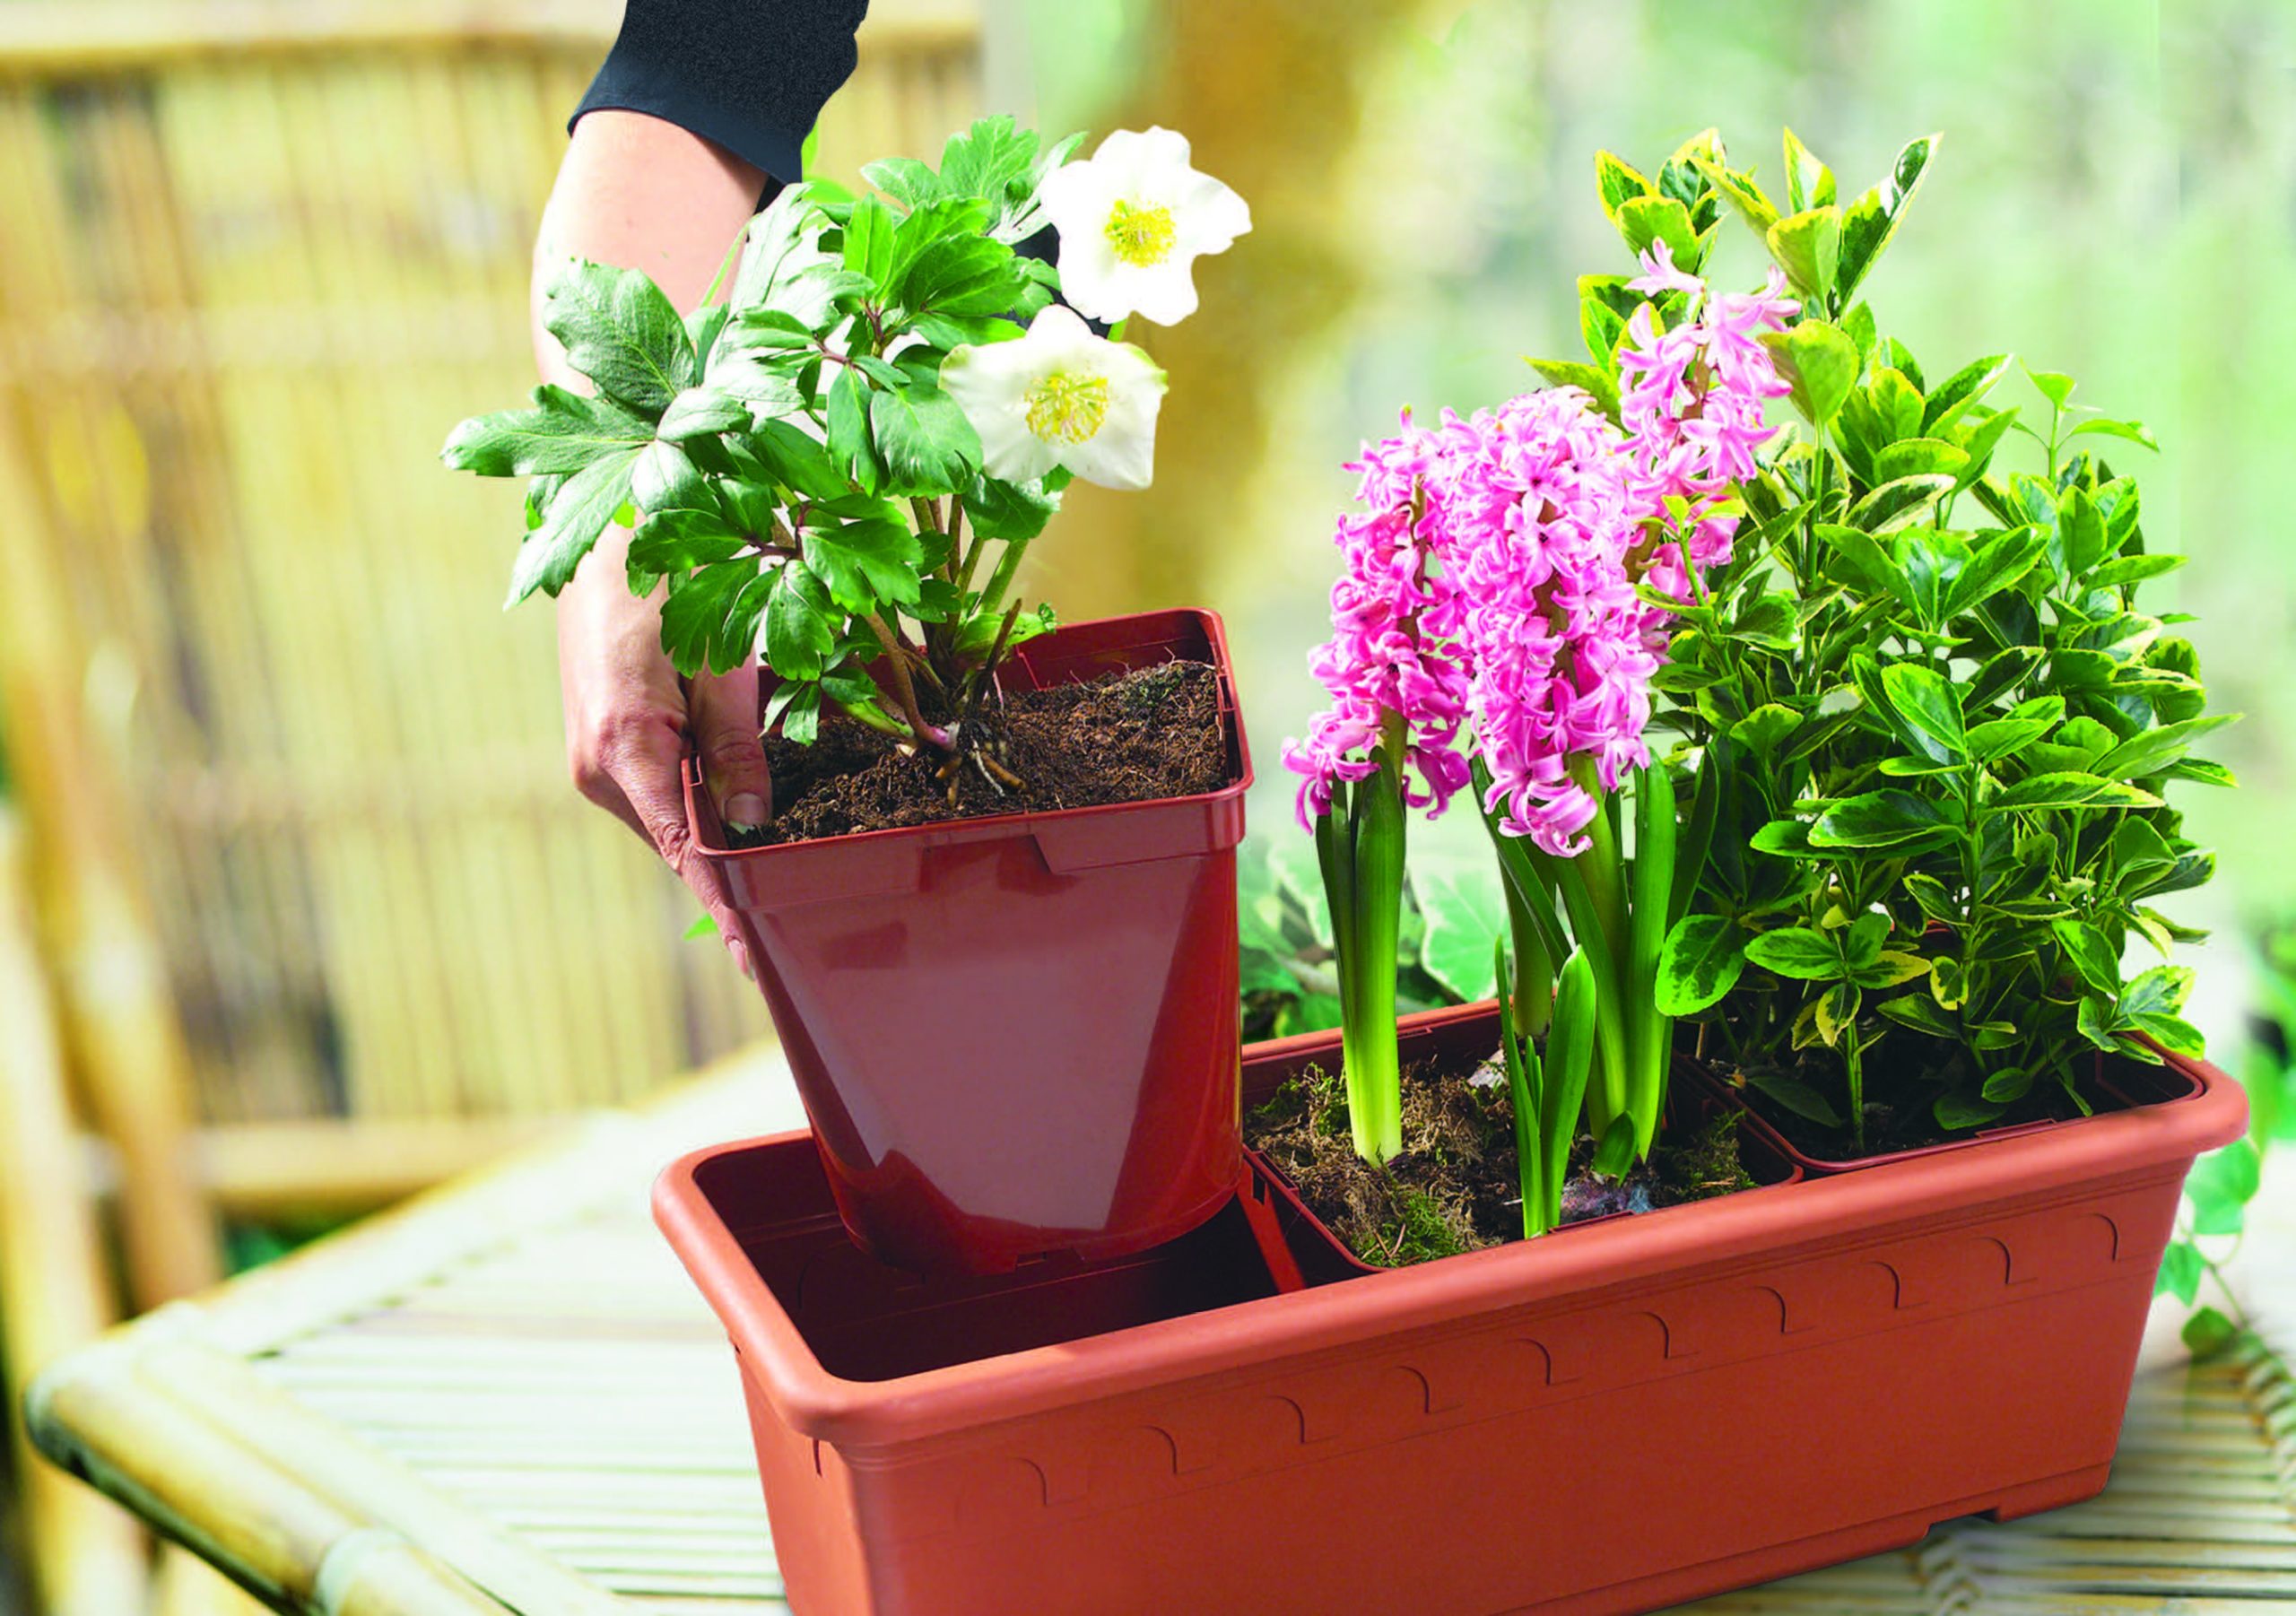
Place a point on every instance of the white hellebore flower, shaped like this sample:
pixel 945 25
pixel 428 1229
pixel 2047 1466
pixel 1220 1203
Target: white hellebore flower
pixel 1060 396
pixel 1132 223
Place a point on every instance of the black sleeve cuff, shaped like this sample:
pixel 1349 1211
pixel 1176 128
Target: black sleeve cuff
pixel 751 76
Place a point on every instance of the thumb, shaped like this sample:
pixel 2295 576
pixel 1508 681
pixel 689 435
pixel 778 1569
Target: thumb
pixel 722 711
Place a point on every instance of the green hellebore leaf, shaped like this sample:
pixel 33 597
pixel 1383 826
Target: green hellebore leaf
pixel 577 514
pixel 800 623
pixel 866 565
pixel 1799 952
pixel 927 444
pixel 564 432
pixel 1699 963
pixel 697 615
pixel 1807 246
pixel 701 413
pixel 620 330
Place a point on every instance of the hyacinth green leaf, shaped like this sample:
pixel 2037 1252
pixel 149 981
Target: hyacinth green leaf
pixel 1819 363
pixel 1881 819
pixel 1645 220
pixel 1699 963
pixel 1615 1153
pixel 1870 222
pixel 1619 183
pixel 1596 384
pixel 1928 709
pixel 1807 246
pixel 1952 397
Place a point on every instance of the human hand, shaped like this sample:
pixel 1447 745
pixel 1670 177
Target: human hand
pixel 628 723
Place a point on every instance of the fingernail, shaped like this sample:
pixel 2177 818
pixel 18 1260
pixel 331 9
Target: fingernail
pixel 745 811
pixel 741 957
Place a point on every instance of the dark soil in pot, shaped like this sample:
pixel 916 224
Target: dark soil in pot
pixel 1126 738
pixel 1900 1112
pixel 1455 1187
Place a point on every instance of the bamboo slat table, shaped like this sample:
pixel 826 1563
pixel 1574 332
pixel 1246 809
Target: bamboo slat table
pixel 506 1397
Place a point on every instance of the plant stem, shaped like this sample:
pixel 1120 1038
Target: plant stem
pixel 904 692
pixel 1650 1033
pixel 1374 1069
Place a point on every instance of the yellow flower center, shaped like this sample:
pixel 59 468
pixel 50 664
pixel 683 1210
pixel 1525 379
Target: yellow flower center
pixel 1141 235
pixel 1063 408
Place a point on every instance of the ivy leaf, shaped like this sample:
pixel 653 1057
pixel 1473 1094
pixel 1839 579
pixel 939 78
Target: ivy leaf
pixel 928 445
pixel 1466 914
pixel 577 515
pixel 1699 963
pixel 2221 1184
pixel 564 432
pixel 620 330
pixel 2208 1335
pixel 1799 952
pixel 2181 1268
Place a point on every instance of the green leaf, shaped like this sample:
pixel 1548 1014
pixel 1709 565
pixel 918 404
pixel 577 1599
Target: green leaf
pixel 2161 991
pixel 1893 967
pixel 1959 391
pixel 1880 819
pixel 673 542
pixel 800 631
pixel 1466 915
pixel 704 926
pixel 1993 567
pixel 906 180
pixel 1618 183
pixel 1699 963
pixel 1900 502
pixel 577 515
pixel 1597 384
pixel 2133 569
pixel 869 239
pixel 1819 361
pixel 2089 953
pixel 2133 431
pixel 701 413
pixel 1008 510
pixel 696 615
pixel 2001 738
pixel 1809 183
pixel 959 275
pixel 1928 710
pixel 865 564
pixel 2150 752
pixel 1797 1097
pixel 1869 223
pixel 2068 788
pixel 1799 952
pixel 1739 191
pixel 928 445
pixel 1920 1013
pixel 798 460
pixel 2223 1183
pixel 564 432
pixel 2053 385
pixel 620 330
pixel 1646 220
pixel 1807 246
pixel 1919 456
pixel 2208 1335
pixel 850 445
pixel 1614 1155
pixel 2181 1267
pixel 1958 1112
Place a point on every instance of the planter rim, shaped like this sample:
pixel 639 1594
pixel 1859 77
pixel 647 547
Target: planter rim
pixel 1597 1263
pixel 708 839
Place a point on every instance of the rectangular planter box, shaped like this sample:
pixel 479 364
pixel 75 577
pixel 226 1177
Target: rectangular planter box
pixel 1632 1413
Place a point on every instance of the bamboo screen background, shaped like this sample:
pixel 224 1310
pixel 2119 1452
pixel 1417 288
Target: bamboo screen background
pixel 255 260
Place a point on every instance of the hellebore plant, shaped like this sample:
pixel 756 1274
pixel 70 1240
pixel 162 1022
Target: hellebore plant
pixel 839 468
pixel 1941 727
pixel 1514 579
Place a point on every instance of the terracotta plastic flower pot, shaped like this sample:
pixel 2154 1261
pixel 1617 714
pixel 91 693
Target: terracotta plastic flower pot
pixel 1016 1035
pixel 1637 1413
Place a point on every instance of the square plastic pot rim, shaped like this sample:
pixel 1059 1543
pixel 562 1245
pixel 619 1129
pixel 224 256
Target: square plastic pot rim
pixel 1749 1231
pixel 708 836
